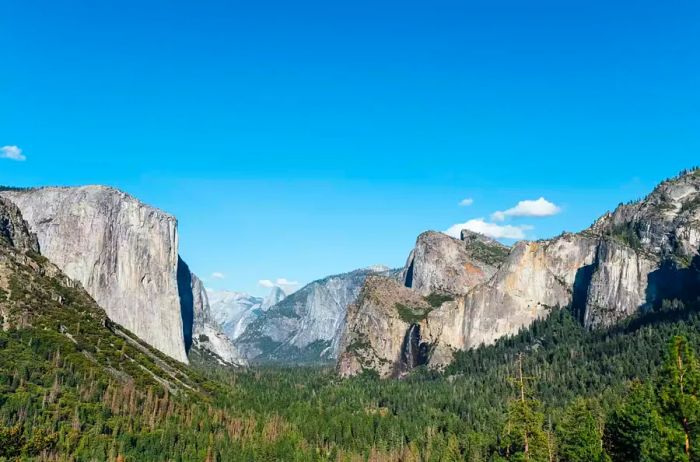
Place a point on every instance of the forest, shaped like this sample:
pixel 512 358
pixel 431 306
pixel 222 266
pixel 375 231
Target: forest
pixel 73 386
pixel 554 392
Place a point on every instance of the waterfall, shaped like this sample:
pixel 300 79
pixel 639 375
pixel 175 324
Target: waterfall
pixel 413 352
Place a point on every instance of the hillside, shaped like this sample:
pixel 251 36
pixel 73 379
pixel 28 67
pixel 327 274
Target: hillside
pixel 75 385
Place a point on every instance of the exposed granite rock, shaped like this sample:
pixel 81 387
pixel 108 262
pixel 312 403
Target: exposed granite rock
pixel 14 231
pixel 234 311
pixel 442 264
pixel 207 335
pixel 664 223
pixel 649 251
pixel 629 260
pixel 536 277
pixel 201 331
pixel 375 331
pixel 275 296
pixel 122 251
pixel 617 288
pixel 306 325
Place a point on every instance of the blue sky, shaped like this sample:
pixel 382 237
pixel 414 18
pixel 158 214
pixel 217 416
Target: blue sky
pixel 299 139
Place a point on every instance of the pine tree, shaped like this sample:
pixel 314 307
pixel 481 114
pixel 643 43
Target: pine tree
pixel 524 438
pixel 678 392
pixel 660 423
pixel 580 433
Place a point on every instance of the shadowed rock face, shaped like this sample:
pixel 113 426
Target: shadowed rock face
pixel 629 260
pixel 207 334
pixel 414 352
pixel 200 329
pixel 125 254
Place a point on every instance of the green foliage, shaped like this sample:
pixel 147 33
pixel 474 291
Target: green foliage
pixel 627 235
pixel 659 422
pixel 74 386
pixel 436 299
pixel 524 436
pixel 492 254
pixel 580 432
pixel 691 204
pixel 412 315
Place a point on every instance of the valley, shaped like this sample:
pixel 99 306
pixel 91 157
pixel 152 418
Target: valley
pixel 421 363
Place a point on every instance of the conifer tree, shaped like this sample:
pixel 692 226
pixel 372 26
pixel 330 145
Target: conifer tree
pixel 580 433
pixel 524 438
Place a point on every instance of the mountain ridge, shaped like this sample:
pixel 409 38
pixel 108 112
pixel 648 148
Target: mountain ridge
pixel 628 260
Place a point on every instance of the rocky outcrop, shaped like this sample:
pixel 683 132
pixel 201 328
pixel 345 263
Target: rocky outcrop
pixel 306 325
pixel 234 311
pixel 38 301
pixel 442 264
pixel 382 325
pixel 629 260
pixel 537 277
pixel 275 296
pixel 202 331
pixel 617 287
pixel 395 326
pixel 14 231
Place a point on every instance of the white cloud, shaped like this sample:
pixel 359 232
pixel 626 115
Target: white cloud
pixel 283 283
pixel 528 208
pixel 466 202
pixel 12 152
pixel 492 230
pixel 218 275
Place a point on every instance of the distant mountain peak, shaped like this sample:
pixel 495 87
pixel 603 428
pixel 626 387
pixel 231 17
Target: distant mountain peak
pixel 377 268
pixel 275 296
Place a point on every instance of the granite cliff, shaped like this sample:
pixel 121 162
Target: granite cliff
pixel 123 252
pixel 630 260
pixel 42 310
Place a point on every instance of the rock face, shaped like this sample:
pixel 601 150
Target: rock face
pixel 275 296
pixel 394 327
pixel 383 323
pixel 234 311
pixel 125 254
pixel 629 260
pixel 14 231
pixel 37 298
pixel 306 325
pixel 442 264
pixel 201 329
